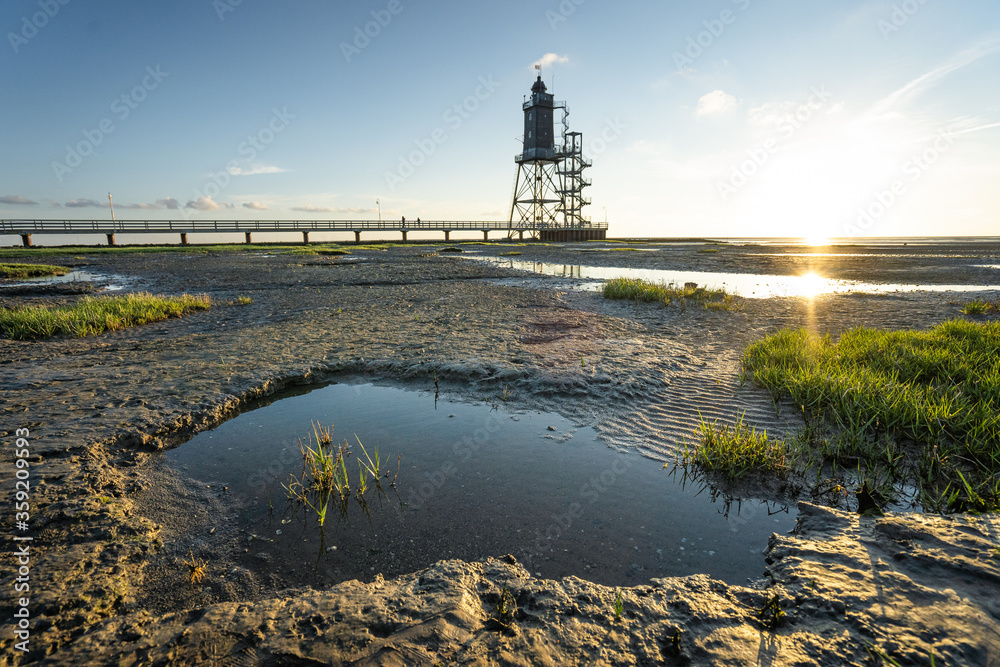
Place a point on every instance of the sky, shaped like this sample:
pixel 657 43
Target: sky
pixel 736 118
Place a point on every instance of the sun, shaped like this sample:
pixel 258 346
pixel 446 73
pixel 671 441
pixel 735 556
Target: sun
pixel 816 241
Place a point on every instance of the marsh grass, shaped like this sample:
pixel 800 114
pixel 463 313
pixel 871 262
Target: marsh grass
pixel 19 271
pixel 909 406
pixel 736 451
pixel 91 316
pixel 981 307
pixel 324 478
pixel 637 289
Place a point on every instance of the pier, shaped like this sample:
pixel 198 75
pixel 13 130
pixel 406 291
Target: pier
pixel 27 228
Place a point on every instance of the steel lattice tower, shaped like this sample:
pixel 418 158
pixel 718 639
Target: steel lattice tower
pixel 548 186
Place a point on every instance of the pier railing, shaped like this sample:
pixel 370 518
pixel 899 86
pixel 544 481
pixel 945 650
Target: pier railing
pixel 26 227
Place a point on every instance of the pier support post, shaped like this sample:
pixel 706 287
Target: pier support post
pixel 249 238
pixel 357 236
pixel 404 236
pixel 520 235
pixel 26 240
pixel 111 239
pixel 486 235
pixel 184 238
pixel 305 237
pixel 447 235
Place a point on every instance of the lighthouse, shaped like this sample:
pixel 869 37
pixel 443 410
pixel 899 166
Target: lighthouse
pixel 549 183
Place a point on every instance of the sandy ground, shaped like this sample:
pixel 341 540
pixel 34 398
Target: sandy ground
pixel 110 530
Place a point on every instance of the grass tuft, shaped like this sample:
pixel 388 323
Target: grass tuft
pixel 196 569
pixel 324 475
pixel 91 316
pixel 19 271
pixel 981 307
pixel 637 289
pixel 771 615
pixel 736 451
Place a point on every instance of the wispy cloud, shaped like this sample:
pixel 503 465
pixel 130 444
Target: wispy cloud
pixel 716 103
pixel 255 205
pixel 308 208
pixel 159 204
pixel 915 88
pixel 17 200
pixel 256 169
pixel 313 209
pixel 204 203
pixel 83 203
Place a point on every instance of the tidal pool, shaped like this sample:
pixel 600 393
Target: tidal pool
pixel 109 282
pixel 474 480
pixel 747 285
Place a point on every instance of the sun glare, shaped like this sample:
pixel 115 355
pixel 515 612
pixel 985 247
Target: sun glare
pixel 812 285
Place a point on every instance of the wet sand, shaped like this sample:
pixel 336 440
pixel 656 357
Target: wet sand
pixel 111 527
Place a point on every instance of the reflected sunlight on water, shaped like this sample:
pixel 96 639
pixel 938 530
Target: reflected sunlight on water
pixel 747 285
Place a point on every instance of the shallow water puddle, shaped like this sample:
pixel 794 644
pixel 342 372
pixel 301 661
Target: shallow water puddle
pixel 743 284
pixel 114 283
pixel 474 481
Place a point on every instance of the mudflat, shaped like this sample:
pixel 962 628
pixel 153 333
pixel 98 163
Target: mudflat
pixel 112 526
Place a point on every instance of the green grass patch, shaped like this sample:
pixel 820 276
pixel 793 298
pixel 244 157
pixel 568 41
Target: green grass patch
pixel 708 250
pixel 91 316
pixel 981 307
pixel 736 451
pixel 18 271
pixel 512 253
pixel 637 289
pixel 918 406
